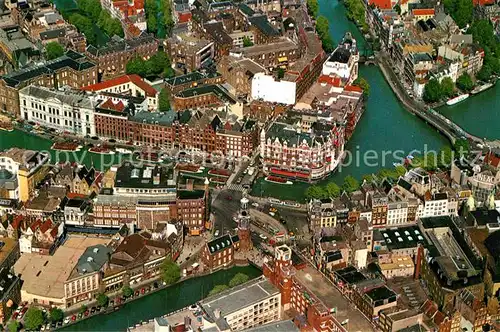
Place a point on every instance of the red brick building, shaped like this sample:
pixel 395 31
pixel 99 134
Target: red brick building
pixel 218 253
pixel 191 209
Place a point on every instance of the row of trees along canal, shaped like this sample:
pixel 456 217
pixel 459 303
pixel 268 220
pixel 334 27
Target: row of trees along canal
pixel 462 11
pixel 430 162
pixel 35 317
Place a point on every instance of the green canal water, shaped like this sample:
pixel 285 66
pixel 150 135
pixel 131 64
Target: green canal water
pixel 479 114
pixel 162 302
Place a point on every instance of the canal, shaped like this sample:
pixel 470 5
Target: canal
pixel 162 302
pixel 479 115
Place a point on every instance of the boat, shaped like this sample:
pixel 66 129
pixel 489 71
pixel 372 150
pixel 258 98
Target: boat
pixel 219 172
pixel 218 180
pixel 276 179
pixel 457 99
pixel 481 88
pixel 123 151
pixel 187 168
pixel 6 126
pixel 102 150
pixel 66 146
pixel 149 156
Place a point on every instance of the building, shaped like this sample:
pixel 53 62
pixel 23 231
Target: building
pixel 272 55
pixel 16 49
pixel 9 253
pixel 192 210
pixel 25 169
pixel 239 72
pixel 343 62
pixel 302 146
pixel 10 294
pixel 180 83
pixel 268 89
pixel 371 299
pixel 189 52
pixel 112 58
pixel 62 110
pixel 321 214
pixel 72 69
pixel 207 96
pixel 76 211
pixel 393 266
pixel 84 281
pixel 131 85
pixel 470 57
pixel 246 306
pixel 44 277
pixel 218 253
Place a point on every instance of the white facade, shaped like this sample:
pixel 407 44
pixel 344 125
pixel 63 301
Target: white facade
pixel 435 208
pixel 265 88
pixel 397 213
pixel 65 111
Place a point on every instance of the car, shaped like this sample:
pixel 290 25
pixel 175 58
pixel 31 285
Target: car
pixel 98 308
pixel 52 325
pixel 86 313
pixel 111 140
pixel 67 320
pixel 136 293
pixel 80 315
pixel 155 284
pixel 255 204
pixel 73 318
pixel 59 324
pixel 15 314
pixel 193 307
pixel 229 198
pixel 283 221
pixel 42 328
pixel 272 214
pixel 216 233
pixel 23 311
pixel 143 290
pixel 246 186
pixel 263 237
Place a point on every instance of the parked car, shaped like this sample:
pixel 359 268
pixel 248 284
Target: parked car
pixel 73 318
pixel 254 204
pixel 67 320
pixel 263 237
pixel 216 233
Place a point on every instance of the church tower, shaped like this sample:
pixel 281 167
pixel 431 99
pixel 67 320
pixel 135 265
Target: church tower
pixel 244 225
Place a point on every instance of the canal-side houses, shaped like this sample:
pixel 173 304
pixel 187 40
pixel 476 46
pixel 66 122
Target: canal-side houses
pixel 72 69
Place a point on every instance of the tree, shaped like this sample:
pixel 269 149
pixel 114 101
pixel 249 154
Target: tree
pixel 316 192
pixel 355 11
pixel 397 8
pixel 54 50
pixel 82 309
pixel 484 73
pixel 102 299
pixel 280 73
pixel 464 82
pixel 33 318
pixel 136 66
pixel 247 42
pixel 170 271
pixel 217 289
pixel 127 291
pixel 332 189
pixel 238 279
pixel 363 84
pixel 460 10
pixel 462 147
pixel 13 326
pixel 323 30
pixel 158 63
pixel 350 184
pixel 483 33
pixel 432 91
pixel 447 87
pixel 313 7
pixel 163 101
pixel 56 315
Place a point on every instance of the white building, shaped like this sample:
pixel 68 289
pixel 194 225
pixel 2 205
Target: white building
pixel 76 212
pixel 131 85
pixel 266 88
pixel 397 213
pixel 343 62
pixel 248 305
pixel 437 205
pixel 64 110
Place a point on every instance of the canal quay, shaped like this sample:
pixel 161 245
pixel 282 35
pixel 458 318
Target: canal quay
pixel 162 302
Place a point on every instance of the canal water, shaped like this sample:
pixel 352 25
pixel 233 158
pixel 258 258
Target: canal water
pixel 479 114
pixel 162 302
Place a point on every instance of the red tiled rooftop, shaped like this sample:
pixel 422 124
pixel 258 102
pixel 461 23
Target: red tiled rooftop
pixel 331 80
pixel 422 12
pixel 46 225
pixel 135 79
pixel 381 4
pixel 354 88
pixel 483 2
pixel 185 17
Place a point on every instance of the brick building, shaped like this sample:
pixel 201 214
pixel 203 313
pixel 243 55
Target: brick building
pixel 218 253
pixel 238 71
pixel 112 58
pixel 191 209
pixel 180 83
pixel 189 52
pixel 72 69
pixel 276 54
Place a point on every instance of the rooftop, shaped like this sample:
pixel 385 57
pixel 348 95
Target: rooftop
pixel 124 79
pixel 239 297
pixel 92 260
pixel 262 23
pixel 45 275
pixel 279 326
pixel 282 45
pixel 7 279
pixel 217 90
pixel 129 175
pixel 219 244
pixel 380 294
pixel 6 247
pixel 403 237
pixel 191 77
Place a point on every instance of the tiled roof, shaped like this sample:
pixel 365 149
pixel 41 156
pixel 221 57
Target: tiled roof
pixel 422 12
pixel 135 79
pixel 381 4
pixel 219 244
pixel 353 88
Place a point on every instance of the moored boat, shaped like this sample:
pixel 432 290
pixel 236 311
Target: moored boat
pixel 187 168
pixel 276 179
pixel 101 150
pixel 219 172
pixel 218 180
pixel 123 151
pixel 6 126
pixel 481 88
pixel 457 99
pixel 66 146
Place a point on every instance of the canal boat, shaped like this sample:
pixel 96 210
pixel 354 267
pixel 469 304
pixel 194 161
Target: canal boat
pixel 481 88
pixel 187 168
pixel 276 179
pixel 218 180
pixel 6 126
pixel 66 146
pixel 457 99
pixel 123 151
pixel 104 149
pixel 219 172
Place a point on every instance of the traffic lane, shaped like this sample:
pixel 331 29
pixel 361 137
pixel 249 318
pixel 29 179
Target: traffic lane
pixel 295 221
pixel 224 208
